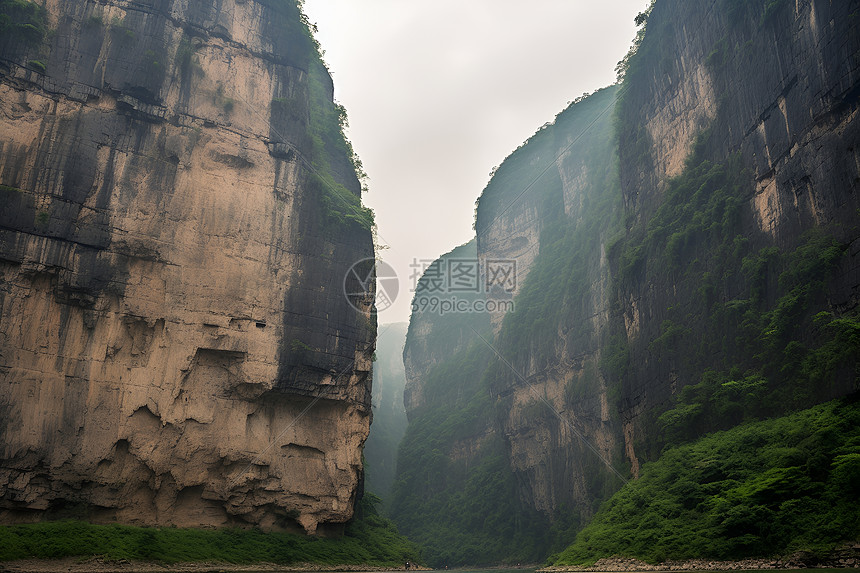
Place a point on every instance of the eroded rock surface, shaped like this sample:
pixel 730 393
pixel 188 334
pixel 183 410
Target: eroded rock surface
pixel 175 345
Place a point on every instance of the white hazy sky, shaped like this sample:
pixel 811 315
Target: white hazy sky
pixel 439 92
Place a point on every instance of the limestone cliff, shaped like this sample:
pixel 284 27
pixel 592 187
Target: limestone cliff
pixel 774 85
pixel 772 88
pixel 688 248
pixel 180 212
pixel 554 397
pixel 502 429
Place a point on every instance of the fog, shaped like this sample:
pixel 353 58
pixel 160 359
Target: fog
pixel 439 92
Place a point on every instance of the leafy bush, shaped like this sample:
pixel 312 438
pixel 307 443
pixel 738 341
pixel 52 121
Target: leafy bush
pixel 37 65
pixel 22 21
pixel 761 489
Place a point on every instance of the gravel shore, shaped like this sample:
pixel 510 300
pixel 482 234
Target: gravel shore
pixel 846 557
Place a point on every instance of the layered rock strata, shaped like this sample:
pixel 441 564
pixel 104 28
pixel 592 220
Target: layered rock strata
pixel 175 344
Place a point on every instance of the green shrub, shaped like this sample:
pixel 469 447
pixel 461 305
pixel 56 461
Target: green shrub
pixel 762 489
pixel 22 21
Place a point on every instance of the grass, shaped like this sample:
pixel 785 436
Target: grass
pixel 369 540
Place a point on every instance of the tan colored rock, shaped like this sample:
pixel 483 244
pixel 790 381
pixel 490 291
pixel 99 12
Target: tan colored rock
pixel 175 345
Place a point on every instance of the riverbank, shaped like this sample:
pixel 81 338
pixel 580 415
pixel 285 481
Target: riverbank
pixel 846 557
pixel 99 565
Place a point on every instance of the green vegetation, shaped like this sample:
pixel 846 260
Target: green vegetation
pixel 641 21
pixel 330 147
pixel 771 9
pixel 742 327
pixel 761 489
pixel 331 157
pixel 748 335
pixel 749 327
pixel 22 21
pixel 369 540
pixel 120 32
pixel 37 65
pixel 389 417
pixel 793 355
pixel 463 509
pixel 150 61
pixel 186 60
pixel 94 21
pixel 222 101
pixel 42 218
pixel 298 346
pixel 558 289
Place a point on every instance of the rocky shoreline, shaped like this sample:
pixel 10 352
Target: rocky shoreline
pixel 843 558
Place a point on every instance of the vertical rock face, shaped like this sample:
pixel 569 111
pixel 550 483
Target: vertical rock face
pixel 557 421
pixel 434 336
pixel 774 84
pixel 783 78
pixel 175 344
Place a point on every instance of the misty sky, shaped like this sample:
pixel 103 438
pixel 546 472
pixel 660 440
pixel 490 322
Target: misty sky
pixel 440 91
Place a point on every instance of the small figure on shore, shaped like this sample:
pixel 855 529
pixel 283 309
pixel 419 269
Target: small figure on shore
pixel 407 565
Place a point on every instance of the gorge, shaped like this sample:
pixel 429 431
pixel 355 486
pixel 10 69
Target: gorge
pixel 657 354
